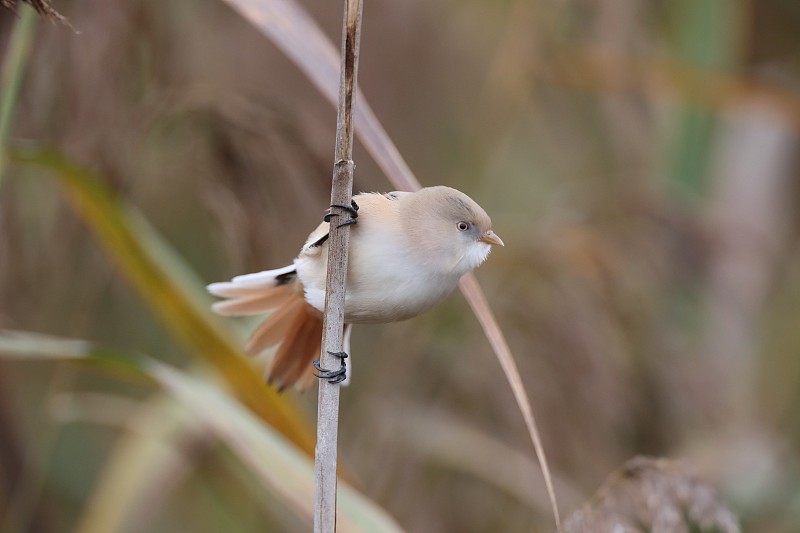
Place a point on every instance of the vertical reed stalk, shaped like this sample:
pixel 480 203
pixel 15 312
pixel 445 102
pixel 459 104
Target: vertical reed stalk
pixel 332 331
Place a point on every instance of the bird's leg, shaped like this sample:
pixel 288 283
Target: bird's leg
pixel 333 376
pixel 352 209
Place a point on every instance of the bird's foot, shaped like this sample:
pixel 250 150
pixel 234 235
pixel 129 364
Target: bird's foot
pixel 333 376
pixel 352 209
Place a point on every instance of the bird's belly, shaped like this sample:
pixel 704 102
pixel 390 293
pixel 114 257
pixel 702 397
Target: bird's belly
pixel 396 300
pixel 377 293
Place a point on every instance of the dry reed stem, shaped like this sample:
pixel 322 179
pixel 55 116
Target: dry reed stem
pixel 333 321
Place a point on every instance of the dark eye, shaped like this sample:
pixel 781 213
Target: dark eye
pixel 462 226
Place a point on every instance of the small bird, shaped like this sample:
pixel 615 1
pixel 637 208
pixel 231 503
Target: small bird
pixel 407 252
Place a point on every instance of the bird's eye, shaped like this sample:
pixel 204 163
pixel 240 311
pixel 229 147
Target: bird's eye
pixel 462 226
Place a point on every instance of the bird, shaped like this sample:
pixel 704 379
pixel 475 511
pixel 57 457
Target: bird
pixel 407 252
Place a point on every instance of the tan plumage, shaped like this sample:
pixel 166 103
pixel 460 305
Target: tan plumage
pixel 407 252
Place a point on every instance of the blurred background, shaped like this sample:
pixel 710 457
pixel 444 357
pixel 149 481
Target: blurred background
pixel 638 157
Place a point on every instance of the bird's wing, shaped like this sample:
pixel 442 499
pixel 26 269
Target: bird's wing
pixel 313 245
pixel 395 195
pixel 369 202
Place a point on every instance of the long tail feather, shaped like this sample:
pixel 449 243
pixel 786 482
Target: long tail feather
pixel 267 276
pixel 229 289
pixel 293 324
pixel 275 328
pixel 309 349
pixel 252 305
pixel 298 350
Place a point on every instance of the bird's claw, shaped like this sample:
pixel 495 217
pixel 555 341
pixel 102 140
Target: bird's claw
pixel 332 376
pixel 352 209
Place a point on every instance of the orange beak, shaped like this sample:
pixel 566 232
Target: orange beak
pixel 491 238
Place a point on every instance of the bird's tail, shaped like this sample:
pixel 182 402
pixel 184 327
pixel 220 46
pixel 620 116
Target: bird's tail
pixel 293 324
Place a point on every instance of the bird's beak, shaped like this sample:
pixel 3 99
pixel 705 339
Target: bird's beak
pixel 491 238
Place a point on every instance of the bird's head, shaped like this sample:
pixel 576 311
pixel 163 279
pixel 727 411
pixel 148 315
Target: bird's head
pixel 449 229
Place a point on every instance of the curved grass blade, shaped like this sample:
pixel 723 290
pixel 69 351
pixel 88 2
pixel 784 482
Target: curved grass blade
pixel 282 469
pixel 294 32
pixel 142 261
pixel 13 71
pixel 473 294
pixel 144 467
pixel 287 473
